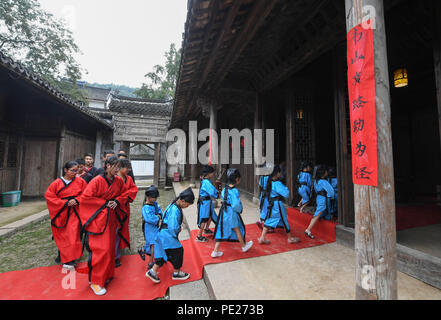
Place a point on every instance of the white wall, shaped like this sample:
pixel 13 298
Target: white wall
pixel 95 104
pixel 143 167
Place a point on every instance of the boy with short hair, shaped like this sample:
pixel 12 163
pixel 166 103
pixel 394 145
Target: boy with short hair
pixel 167 245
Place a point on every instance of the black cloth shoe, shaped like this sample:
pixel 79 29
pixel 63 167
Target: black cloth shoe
pixel 141 253
pixel 58 258
pixel 150 266
pixel 152 277
pixel 181 275
pixel 309 235
pixel 208 231
pixel 117 263
pixel 201 239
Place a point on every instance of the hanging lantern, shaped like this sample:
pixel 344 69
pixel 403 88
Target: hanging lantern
pixel 242 143
pixel 400 78
pixel 300 114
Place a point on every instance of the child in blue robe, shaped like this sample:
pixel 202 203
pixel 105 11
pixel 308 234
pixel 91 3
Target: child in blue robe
pixel 152 218
pixel 276 216
pixel 304 178
pixel 263 202
pixel 332 202
pixel 167 245
pixel 324 192
pixel 230 226
pixel 206 212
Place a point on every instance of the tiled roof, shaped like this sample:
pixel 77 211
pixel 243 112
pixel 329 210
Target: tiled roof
pixel 140 106
pixel 37 81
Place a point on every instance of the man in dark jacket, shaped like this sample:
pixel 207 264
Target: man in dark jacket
pixel 93 173
pixel 90 170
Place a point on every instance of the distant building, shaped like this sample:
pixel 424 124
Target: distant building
pixel 97 97
pixel 140 127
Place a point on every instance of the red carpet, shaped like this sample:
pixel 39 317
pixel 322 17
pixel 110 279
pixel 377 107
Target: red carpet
pixel 130 283
pixel 417 216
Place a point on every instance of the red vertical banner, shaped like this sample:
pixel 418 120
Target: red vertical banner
pixel 361 87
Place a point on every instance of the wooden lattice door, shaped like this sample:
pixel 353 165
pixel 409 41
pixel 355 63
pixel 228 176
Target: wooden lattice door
pixel 304 139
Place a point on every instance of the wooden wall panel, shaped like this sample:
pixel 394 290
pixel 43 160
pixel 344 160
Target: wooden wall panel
pixel 75 146
pixel 39 166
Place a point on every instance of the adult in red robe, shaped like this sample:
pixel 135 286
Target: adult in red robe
pixel 101 205
pixel 132 191
pixel 63 205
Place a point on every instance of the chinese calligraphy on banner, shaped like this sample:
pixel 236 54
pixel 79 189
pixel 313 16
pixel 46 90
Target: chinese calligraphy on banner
pixel 361 86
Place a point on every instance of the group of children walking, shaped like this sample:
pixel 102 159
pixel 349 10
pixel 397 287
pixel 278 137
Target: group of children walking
pixel 323 184
pixel 94 214
pixel 161 229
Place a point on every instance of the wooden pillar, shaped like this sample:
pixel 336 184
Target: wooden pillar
pixel 157 164
pixel 257 125
pixel 290 166
pixel 5 164
pixel 375 231
pixel 213 117
pixel 194 172
pixel 343 152
pixel 213 127
pixel 162 165
pixel 21 143
pixel 437 55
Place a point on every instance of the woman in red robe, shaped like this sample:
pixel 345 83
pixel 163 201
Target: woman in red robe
pixel 101 202
pixel 123 234
pixel 63 205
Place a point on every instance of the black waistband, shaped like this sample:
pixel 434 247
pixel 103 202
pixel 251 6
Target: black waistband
pixel 322 193
pixel 303 183
pixel 280 198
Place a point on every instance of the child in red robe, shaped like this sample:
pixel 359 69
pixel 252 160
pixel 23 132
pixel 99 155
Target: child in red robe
pixel 101 202
pixel 63 205
pixel 132 190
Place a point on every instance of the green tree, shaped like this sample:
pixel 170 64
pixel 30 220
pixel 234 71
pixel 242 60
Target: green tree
pixel 41 42
pixel 162 80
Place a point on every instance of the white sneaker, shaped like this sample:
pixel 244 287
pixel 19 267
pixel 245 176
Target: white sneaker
pixel 217 254
pixel 68 267
pixel 247 246
pixel 98 290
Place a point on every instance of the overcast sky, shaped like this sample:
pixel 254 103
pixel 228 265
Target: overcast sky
pixel 121 41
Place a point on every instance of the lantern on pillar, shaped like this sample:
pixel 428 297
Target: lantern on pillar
pixel 400 78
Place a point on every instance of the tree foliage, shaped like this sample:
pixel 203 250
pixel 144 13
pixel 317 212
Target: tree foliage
pixel 161 82
pixel 41 42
